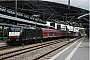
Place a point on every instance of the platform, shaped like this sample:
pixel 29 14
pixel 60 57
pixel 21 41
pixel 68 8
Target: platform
pixel 3 43
pixel 79 50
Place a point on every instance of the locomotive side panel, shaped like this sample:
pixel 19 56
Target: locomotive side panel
pixel 28 34
pixel 32 35
pixel 39 34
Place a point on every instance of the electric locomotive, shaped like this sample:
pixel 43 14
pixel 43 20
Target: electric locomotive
pixel 20 35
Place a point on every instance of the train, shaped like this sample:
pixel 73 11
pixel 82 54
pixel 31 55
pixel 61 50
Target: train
pixel 27 35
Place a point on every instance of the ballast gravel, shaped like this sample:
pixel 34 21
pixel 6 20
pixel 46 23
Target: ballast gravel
pixel 36 53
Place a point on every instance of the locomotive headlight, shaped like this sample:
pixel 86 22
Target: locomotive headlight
pixel 17 39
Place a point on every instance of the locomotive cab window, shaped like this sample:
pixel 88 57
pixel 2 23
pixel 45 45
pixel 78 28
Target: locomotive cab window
pixel 15 30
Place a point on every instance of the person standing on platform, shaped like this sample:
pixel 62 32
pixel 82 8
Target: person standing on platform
pixel 87 32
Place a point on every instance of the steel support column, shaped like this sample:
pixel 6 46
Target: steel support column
pixel 2 33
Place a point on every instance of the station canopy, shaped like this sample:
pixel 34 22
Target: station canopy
pixel 46 11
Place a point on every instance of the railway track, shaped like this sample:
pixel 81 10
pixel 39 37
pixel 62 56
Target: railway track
pixel 54 50
pixel 11 47
pixel 25 50
pixel 18 52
